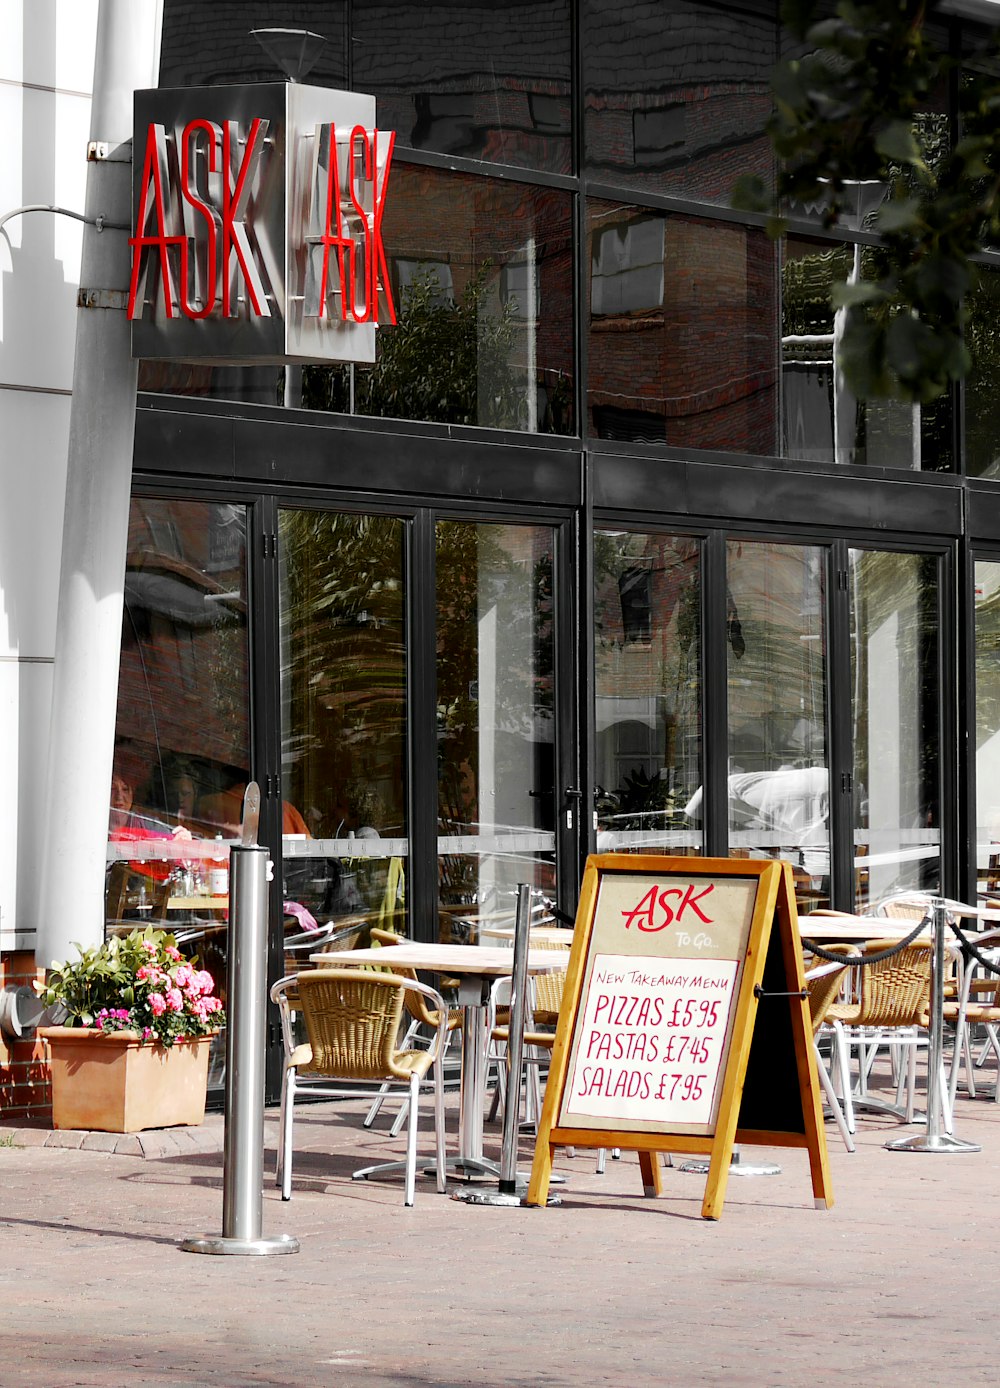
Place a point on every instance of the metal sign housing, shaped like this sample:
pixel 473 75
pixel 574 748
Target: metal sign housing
pixel 256 228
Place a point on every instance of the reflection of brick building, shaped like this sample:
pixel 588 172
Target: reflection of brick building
pixel 691 357
pixel 183 684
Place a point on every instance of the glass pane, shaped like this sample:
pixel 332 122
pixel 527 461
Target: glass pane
pixel 988 724
pixel 776 653
pixel 487 82
pixel 982 399
pixel 182 742
pixel 682 340
pixel 209 45
pixel 483 286
pixel 342 649
pixel 647 657
pixel 677 96
pixel 896 716
pixel 821 420
pixel 497 796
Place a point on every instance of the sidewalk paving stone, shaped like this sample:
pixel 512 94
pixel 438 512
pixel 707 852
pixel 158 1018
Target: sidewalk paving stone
pixel 885 1289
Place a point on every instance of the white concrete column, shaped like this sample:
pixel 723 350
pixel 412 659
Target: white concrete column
pixel 95 527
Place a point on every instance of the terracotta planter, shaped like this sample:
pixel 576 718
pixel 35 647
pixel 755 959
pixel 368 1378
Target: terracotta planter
pixel 108 1081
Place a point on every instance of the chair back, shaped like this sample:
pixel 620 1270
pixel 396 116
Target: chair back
pixel 895 992
pixel 825 983
pixel 352 1019
pixel 415 1003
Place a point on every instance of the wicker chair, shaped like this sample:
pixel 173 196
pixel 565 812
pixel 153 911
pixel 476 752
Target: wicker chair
pixel 891 1006
pixel 423 1021
pixel 352 1018
pixel 824 984
pixel 978 1004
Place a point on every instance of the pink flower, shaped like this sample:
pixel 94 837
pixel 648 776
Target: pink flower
pixel 145 971
pixel 172 953
pixel 183 975
pixel 212 1004
pixel 175 1000
pixel 206 983
pixel 149 946
pixel 157 1004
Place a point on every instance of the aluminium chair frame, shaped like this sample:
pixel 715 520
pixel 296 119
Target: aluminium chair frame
pixel 285 994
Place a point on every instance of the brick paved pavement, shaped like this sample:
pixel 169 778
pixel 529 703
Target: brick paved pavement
pixel 890 1287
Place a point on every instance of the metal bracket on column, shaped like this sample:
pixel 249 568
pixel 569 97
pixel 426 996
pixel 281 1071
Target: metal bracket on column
pixel 102 298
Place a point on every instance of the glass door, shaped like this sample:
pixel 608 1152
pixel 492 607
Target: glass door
pixel 896 719
pixel 778 774
pixel 648 688
pixel 342 641
pixel 418 736
pixel 496 736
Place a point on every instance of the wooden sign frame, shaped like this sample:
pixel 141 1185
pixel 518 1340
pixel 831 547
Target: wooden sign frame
pixel 766 1091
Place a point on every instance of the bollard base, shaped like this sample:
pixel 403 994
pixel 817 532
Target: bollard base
pixel 928 1142
pixel 499 1197
pixel 219 1244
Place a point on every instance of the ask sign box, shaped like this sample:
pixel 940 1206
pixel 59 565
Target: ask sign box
pixel 257 225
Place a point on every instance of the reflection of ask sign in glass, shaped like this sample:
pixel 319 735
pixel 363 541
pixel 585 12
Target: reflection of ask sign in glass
pixel 652 1037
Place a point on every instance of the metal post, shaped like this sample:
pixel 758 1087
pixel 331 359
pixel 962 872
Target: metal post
pixel 243 1170
pixel 935 1139
pixel 515 1041
pixel 507 1191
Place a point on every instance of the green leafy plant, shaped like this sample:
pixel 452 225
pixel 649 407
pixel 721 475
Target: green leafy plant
pixel 856 114
pixel 138 982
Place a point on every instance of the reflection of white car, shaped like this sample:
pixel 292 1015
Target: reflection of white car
pixel 791 806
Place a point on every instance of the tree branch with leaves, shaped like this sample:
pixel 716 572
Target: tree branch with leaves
pixel 855 108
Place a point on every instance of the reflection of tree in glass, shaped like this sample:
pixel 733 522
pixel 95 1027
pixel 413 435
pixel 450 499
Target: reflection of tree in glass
pixel 344 678
pixel 447 360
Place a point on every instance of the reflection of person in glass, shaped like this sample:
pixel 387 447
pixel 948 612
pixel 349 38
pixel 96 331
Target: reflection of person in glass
pixel 128 825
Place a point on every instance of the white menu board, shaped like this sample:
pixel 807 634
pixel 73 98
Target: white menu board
pixel 659 990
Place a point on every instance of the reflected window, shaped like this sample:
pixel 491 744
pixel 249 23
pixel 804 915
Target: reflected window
pixel 430 277
pixel 683 345
pixel 626 272
pixel 648 691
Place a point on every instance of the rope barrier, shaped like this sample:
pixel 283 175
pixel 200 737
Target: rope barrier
pixel 969 950
pixel 863 961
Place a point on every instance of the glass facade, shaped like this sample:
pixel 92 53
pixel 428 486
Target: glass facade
pixel 600 554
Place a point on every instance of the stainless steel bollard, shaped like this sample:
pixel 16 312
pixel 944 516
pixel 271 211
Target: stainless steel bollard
pixel 515 1041
pixel 507 1192
pixel 243 1168
pixel 935 1139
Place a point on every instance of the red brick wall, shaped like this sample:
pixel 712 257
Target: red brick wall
pixel 24 1072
